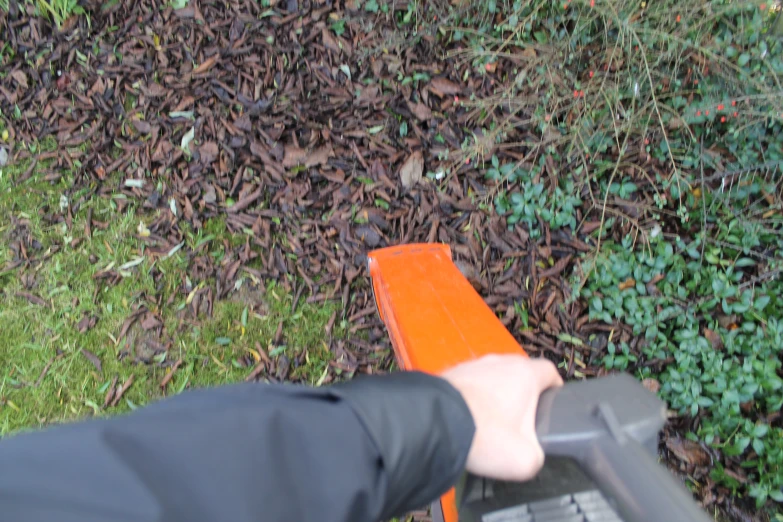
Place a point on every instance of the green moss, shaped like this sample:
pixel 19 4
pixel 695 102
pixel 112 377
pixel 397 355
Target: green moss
pixel 35 338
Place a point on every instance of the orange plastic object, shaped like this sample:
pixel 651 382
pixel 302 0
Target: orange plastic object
pixel 434 316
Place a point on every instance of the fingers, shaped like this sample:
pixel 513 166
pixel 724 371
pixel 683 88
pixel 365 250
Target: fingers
pixel 506 454
pixel 545 373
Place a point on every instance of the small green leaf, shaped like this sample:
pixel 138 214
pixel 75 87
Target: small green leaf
pixel 276 351
pixel 743 59
pixel 223 341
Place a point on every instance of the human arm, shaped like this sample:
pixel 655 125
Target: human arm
pixel 359 451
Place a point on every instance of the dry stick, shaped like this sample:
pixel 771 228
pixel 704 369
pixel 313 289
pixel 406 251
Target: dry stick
pixel 122 390
pixel 169 375
pixel 110 393
pixel 256 371
pixel 46 369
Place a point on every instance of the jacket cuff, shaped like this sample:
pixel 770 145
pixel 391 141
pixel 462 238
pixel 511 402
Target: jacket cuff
pixel 423 430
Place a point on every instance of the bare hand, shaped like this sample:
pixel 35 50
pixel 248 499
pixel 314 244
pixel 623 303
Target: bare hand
pixel 502 393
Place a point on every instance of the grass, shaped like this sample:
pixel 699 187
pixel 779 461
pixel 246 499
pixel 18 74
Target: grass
pixel 46 378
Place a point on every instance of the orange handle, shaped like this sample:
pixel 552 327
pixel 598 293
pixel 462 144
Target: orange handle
pixel 435 318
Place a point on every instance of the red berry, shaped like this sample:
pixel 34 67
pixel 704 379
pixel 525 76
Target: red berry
pixel 720 107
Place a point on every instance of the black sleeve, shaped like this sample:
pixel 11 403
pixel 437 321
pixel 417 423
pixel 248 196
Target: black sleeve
pixel 361 451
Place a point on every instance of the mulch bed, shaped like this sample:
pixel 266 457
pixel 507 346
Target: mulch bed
pixel 300 156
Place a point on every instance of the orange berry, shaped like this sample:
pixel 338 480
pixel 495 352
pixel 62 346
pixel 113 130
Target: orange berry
pixel 678 18
pixel 576 94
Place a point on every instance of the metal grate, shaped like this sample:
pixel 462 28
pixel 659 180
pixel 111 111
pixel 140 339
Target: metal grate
pixel 588 506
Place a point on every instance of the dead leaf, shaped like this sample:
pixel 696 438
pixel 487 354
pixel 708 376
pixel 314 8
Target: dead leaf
pixel 20 77
pixel 421 111
pixel 675 123
pixel 628 283
pixel 208 152
pixel 714 338
pixel 99 87
pixel 318 157
pixel 557 268
pixel 329 41
pixel 528 52
pixel 652 384
pixel 368 236
pixel 155 90
pixel 725 321
pixel 86 323
pixel 412 170
pixel 93 359
pixel 34 299
pixel 207 64
pixel 293 156
pixel 150 321
pixel 142 126
pixel 209 194
pixel 470 273
pixel 688 451
pixel 443 87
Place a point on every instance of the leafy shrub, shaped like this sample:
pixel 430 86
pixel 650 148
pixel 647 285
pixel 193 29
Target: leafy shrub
pixel 730 374
pixel 530 200
pixel 673 109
